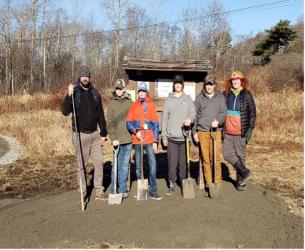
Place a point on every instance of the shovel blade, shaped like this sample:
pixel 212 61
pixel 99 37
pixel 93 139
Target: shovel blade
pixel 212 190
pixel 142 189
pixel 115 199
pixel 218 190
pixel 189 188
pixel 215 190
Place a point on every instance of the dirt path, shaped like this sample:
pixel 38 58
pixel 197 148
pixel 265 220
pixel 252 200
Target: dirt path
pixel 254 218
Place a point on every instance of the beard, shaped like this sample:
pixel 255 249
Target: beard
pixel 85 84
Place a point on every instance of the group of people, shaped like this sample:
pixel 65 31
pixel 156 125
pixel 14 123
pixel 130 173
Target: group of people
pixel 227 118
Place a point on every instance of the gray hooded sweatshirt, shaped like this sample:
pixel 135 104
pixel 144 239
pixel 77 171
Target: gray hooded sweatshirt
pixel 176 110
pixel 207 110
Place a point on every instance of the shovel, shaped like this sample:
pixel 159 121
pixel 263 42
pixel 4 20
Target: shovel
pixel 82 198
pixel 115 198
pixel 188 184
pixel 142 184
pixel 214 188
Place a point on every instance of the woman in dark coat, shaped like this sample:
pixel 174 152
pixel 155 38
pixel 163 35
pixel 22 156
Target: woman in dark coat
pixel 239 125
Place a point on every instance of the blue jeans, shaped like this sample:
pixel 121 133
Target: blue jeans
pixel 152 165
pixel 123 167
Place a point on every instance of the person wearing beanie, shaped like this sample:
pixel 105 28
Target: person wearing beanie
pixel 239 125
pixel 117 111
pixel 89 115
pixel 210 117
pixel 173 121
pixel 142 122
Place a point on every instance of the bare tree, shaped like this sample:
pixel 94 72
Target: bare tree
pixel 115 10
pixel 6 19
pixel 213 23
pixel 134 18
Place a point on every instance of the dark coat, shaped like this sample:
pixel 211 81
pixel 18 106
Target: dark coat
pixel 89 110
pixel 247 110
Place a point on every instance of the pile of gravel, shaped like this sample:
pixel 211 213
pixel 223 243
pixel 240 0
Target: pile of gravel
pixel 13 153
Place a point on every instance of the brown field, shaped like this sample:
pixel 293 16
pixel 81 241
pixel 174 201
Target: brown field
pixel 46 165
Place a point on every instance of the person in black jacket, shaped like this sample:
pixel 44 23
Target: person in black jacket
pixel 89 114
pixel 239 125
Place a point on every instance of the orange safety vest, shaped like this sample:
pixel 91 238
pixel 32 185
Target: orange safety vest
pixel 142 116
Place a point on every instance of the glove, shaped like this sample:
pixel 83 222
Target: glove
pixel 248 135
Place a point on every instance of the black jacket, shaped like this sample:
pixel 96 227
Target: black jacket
pixel 247 111
pixel 89 109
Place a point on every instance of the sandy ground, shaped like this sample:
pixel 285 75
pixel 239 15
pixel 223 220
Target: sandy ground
pixel 254 218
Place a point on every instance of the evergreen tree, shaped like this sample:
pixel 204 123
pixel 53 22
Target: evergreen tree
pixel 277 38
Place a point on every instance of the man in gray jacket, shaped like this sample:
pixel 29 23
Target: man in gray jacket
pixel 211 112
pixel 179 111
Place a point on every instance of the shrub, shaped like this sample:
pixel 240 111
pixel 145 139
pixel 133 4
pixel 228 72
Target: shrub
pixel 285 70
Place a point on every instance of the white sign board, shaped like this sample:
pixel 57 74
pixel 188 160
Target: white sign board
pixel 190 89
pixel 164 88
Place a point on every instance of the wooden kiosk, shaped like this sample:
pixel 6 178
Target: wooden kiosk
pixel 159 77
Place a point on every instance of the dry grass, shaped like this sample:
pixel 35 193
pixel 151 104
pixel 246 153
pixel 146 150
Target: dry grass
pixel 280 116
pixel 47 160
pixel 28 103
pixel 280 169
pixel 46 165
pixel 43 132
pixel 276 154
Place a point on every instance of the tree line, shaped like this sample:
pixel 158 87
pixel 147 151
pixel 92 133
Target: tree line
pixel 42 47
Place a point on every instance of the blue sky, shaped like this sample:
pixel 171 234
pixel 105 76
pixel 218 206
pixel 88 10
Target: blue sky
pixel 249 23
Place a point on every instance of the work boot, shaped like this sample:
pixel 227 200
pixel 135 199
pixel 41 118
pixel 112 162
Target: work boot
pixel 237 186
pixel 244 173
pixel 171 189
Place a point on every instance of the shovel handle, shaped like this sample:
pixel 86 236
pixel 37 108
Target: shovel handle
pixel 187 143
pixel 186 131
pixel 142 160
pixel 80 153
pixel 213 132
pixel 115 163
pixel 214 135
pixel 141 150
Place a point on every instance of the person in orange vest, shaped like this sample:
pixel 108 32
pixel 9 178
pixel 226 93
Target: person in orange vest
pixel 142 122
